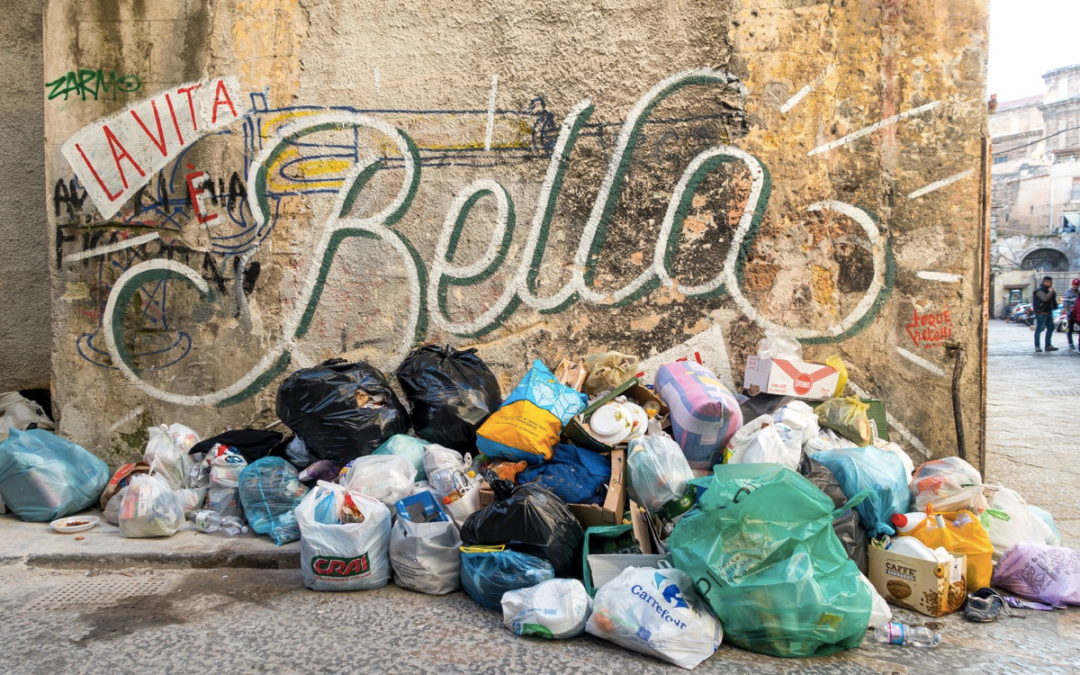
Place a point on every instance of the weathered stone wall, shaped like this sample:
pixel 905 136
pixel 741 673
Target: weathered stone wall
pixel 25 320
pixel 533 179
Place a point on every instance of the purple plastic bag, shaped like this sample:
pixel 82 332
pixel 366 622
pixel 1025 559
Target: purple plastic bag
pixel 1040 572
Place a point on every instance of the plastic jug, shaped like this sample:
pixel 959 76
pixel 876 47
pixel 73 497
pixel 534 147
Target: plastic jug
pixel 906 522
pixel 911 546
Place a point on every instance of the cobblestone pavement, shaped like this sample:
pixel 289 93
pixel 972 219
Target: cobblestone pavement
pixel 1033 422
pixel 251 620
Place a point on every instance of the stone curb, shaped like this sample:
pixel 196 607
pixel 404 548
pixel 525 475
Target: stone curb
pixel 289 559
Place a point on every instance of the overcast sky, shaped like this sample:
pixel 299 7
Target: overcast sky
pixel 1028 38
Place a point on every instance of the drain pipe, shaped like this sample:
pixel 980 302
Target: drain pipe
pixel 958 414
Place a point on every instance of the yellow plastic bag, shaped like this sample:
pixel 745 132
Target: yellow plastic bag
pixel 847 416
pixel 608 370
pixel 963 534
pixel 837 363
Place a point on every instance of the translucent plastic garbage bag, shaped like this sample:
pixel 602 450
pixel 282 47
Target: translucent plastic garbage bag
pixel 950 484
pixel 338 556
pixel 1035 571
pixel 761 551
pixel 553 610
pixel 874 469
pixel 488 572
pixel 657 470
pixel 656 612
pixel 150 508
pixel 1011 521
pixel 388 478
pixel 763 440
pixel 44 477
pixel 408 447
pixel 270 490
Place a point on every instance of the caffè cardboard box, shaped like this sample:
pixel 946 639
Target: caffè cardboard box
pixel 926 586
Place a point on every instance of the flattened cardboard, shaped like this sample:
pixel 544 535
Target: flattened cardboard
pixel 924 586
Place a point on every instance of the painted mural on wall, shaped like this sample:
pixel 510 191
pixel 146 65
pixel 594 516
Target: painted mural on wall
pixel 202 225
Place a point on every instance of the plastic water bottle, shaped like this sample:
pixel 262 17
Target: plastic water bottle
pixel 212 521
pixel 895 633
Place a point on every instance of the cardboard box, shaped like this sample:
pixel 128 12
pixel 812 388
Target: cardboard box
pixel 592 515
pixel 599 568
pixel 576 433
pixel 788 377
pixel 925 586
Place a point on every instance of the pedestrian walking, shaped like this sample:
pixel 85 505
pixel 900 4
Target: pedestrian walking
pixel 1044 302
pixel 1067 304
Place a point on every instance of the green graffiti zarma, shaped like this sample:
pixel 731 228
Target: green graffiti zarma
pixel 94 83
pixel 429 288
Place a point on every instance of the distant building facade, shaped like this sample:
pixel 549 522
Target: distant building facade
pixel 1035 199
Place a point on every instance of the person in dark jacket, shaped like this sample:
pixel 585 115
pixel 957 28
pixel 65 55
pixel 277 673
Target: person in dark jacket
pixel 1043 303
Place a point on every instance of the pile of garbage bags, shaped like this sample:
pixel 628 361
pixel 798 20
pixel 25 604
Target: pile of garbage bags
pixel 752 519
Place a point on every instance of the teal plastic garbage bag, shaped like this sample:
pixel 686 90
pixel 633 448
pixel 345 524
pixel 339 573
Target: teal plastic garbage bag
pixel 880 471
pixel 270 490
pixel 408 447
pixel 761 550
pixel 489 571
pixel 44 477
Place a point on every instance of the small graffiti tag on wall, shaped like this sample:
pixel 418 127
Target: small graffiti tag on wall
pixel 94 83
pixel 930 329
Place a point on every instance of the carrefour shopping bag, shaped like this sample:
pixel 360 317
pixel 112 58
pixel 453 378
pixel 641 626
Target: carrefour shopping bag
pixel 761 550
pixel 527 426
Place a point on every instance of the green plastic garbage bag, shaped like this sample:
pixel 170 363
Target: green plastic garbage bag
pixel 761 550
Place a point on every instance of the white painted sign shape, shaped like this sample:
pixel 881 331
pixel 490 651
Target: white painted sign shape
pixel 115 156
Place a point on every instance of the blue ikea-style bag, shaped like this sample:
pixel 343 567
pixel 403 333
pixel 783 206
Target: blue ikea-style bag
pixel 576 475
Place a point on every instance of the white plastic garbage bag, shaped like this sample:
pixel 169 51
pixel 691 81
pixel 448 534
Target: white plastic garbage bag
pixel 801 418
pixel 950 484
pixel 779 343
pixel 437 457
pixel 554 609
pixel 658 471
pixel 655 612
pixel 763 441
pixel 150 508
pixel 191 499
pixel 112 509
pixel 426 557
pixel 336 556
pixel 19 412
pixel 879 609
pixel 223 495
pixel 168 459
pixel 388 478
pixel 1010 521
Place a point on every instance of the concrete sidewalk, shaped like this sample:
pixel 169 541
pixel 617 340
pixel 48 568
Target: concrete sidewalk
pixel 38 545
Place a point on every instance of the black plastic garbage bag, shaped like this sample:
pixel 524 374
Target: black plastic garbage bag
pixel 763 404
pixel 847 527
pixel 452 392
pixel 253 444
pixel 341 410
pixel 529 519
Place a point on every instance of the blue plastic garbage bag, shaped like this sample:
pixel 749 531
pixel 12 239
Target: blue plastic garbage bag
pixel 489 571
pixel 270 490
pixel 409 447
pixel 44 477
pixel 858 469
pixel 576 475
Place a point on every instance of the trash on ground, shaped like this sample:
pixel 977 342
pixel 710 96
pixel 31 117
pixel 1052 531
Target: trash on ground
pixel 425 547
pixel 338 552
pixel 554 610
pixel 879 471
pixel 150 508
pixel 44 477
pixel 341 410
pixel 74 524
pixel 270 490
pixel 1049 574
pixel 488 572
pixel 656 612
pixel 911 575
pixel 704 414
pixel 451 393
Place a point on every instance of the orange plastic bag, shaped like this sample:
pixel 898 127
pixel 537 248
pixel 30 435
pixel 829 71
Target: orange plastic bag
pixel 963 534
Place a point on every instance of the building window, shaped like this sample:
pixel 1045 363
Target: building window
pixel 1001 160
pixel 1076 190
